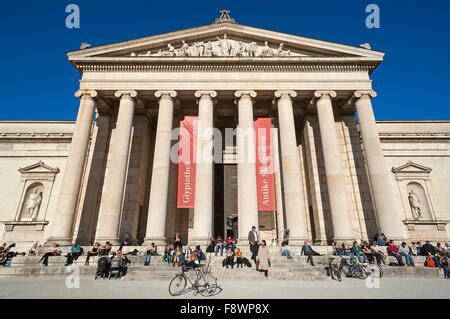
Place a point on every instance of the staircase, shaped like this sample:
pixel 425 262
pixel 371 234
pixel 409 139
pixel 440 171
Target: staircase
pixel 281 268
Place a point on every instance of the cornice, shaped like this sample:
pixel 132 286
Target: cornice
pixel 222 67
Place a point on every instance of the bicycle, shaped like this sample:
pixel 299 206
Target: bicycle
pixel 205 283
pixel 353 269
pixel 360 270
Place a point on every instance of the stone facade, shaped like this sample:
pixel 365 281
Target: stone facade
pixel 340 179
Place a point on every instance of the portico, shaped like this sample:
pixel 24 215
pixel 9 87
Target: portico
pixel 332 180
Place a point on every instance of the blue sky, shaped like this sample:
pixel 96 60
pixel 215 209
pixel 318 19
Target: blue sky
pixel 38 83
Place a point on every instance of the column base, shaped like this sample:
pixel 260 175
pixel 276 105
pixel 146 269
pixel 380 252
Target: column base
pixel 344 240
pixel 158 241
pixel 61 241
pixel 114 241
pixel 203 242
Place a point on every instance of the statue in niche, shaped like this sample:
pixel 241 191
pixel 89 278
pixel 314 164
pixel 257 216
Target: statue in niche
pixel 33 203
pixel 414 202
pixel 224 44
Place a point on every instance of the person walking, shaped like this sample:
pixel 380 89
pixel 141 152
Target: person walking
pixel 263 258
pixel 253 239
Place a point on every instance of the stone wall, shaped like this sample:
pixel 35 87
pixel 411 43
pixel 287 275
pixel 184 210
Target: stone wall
pixel 40 149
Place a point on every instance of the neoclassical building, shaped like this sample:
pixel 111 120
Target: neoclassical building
pixel 342 175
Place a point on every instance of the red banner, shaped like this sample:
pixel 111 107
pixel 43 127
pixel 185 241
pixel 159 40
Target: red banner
pixel 265 179
pixel 186 162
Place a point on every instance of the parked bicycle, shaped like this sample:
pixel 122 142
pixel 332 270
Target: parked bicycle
pixel 355 269
pixel 204 283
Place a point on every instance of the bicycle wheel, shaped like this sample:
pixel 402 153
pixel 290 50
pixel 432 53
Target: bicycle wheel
pixel 336 274
pixel 177 285
pixel 360 272
pixel 207 285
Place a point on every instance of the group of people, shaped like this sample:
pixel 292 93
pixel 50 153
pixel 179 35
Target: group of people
pixel 436 256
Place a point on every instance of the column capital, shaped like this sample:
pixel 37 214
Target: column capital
pixel 241 93
pixel 370 93
pixel 165 94
pixel 121 93
pixel 285 94
pixel 330 93
pixel 200 94
pixel 91 93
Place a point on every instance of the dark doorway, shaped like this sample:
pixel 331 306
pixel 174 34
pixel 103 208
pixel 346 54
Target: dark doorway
pixel 218 200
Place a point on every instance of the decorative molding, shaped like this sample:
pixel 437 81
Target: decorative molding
pixel 38 225
pixel 411 224
pixel 224 47
pixel 404 168
pixel 223 67
pixel 224 16
pixel 40 164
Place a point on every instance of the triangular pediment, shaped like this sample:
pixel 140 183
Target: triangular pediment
pixel 39 167
pixel 411 167
pixel 224 40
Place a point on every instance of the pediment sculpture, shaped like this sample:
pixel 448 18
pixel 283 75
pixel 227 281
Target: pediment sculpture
pixel 222 47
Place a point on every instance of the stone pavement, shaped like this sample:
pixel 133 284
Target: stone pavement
pixel 232 289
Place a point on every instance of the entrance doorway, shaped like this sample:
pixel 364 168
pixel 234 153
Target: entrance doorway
pixel 225 200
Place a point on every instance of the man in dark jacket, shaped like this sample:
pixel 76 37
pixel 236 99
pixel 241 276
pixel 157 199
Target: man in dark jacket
pixel 307 250
pixel 253 240
pixel 428 248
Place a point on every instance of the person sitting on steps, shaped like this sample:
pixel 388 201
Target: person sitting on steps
pixel 54 251
pixel 239 258
pixel 307 250
pixel 73 254
pixel 229 260
pixel 94 251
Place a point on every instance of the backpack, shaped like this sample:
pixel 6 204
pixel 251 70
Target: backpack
pixel 429 262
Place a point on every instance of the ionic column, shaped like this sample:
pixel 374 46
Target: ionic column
pixel 62 226
pixel 290 161
pixel 246 159
pixel 157 208
pixel 114 183
pixel 340 213
pixel 389 221
pixel 204 176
